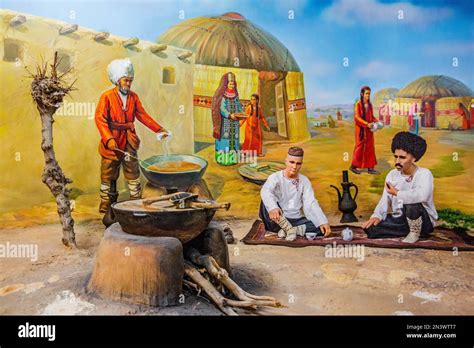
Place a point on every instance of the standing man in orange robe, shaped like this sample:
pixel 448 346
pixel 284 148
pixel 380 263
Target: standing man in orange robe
pixel 114 116
pixel 253 131
pixel 364 151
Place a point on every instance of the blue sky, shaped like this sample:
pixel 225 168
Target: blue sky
pixel 383 49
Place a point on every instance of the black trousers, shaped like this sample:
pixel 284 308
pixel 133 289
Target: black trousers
pixel 272 226
pixel 396 227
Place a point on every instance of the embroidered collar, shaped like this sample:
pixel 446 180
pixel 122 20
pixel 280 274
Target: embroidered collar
pixel 230 93
pixel 295 181
pixel 410 178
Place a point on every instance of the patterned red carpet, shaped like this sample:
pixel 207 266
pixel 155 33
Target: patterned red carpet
pixel 441 238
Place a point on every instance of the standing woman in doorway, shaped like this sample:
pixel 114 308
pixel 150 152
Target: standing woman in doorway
pixel 226 108
pixel 253 131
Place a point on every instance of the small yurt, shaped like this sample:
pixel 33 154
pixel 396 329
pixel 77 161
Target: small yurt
pixel 261 63
pixel 438 98
pixel 381 102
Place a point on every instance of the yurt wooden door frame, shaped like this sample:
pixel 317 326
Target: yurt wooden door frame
pixel 281 109
pixel 274 83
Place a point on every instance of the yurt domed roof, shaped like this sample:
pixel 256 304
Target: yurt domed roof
pixel 384 95
pixel 437 86
pixel 219 40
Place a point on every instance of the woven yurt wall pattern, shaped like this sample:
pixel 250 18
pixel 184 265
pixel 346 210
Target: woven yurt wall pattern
pixel 296 107
pixel 400 109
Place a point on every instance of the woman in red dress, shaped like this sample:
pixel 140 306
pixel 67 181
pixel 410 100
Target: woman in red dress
pixel 253 131
pixel 364 150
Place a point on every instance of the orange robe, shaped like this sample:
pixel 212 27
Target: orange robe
pixel 253 131
pixel 114 123
pixel 364 151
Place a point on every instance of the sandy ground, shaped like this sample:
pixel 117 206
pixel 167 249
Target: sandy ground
pixel 386 281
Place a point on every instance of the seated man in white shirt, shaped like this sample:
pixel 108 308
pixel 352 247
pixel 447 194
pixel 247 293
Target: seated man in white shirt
pixel 288 203
pixel 408 192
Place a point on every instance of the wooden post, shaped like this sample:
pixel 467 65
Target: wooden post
pixel 48 93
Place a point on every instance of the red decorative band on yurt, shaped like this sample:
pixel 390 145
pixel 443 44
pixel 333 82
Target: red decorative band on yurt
pixel 296 105
pixel 206 102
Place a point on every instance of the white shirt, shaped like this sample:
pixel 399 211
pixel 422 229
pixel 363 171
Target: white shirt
pixel 295 201
pixel 124 99
pixel 419 190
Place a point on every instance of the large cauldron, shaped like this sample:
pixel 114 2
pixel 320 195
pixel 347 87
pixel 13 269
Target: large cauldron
pixel 162 220
pixel 180 180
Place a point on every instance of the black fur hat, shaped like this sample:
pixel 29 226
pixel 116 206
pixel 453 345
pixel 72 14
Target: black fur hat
pixel 411 143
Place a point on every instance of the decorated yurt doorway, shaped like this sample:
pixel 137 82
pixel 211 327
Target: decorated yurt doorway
pixel 272 90
pixel 428 118
pixel 281 109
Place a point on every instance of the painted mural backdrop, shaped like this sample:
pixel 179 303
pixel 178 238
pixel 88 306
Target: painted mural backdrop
pixel 305 61
pixel 236 157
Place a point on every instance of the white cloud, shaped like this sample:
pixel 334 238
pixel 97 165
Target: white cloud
pixel 455 49
pixel 373 12
pixel 378 69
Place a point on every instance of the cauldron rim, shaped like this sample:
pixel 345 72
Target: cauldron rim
pixel 180 180
pixel 164 223
pixel 147 160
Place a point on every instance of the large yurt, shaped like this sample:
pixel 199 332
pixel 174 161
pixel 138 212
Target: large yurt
pixel 437 97
pixel 381 102
pixel 261 63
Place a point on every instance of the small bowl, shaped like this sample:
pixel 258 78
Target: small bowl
pixel 310 235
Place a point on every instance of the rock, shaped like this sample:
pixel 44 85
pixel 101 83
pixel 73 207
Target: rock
pixel 212 242
pixel 138 269
pixel 229 235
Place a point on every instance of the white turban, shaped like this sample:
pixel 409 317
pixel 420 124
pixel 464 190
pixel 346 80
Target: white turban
pixel 119 68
